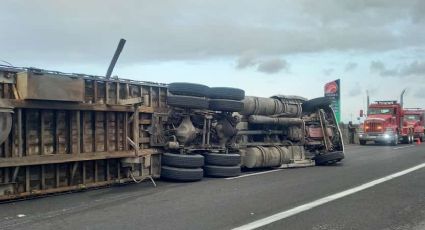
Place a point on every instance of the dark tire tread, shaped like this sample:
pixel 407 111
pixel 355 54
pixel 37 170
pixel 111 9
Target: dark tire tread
pixel 221 159
pixel 226 93
pixel 181 174
pixel 188 89
pixel 222 171
pixel 188 102
pixel 225 105
pixel 183 160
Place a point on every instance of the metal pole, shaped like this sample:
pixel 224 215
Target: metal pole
pixel 115 58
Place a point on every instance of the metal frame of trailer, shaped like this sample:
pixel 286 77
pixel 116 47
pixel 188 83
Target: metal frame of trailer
pixel 74 131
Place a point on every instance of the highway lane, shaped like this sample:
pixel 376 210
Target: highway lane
pixel 225 204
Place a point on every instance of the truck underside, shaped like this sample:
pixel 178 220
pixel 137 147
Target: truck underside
pixel 64 132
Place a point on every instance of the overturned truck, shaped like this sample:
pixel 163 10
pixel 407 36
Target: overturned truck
pixel 64 132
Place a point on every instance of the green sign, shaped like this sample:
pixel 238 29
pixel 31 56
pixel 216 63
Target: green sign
pixel 333 92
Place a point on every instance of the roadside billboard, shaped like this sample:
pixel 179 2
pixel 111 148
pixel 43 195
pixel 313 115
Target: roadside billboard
pixel 333 92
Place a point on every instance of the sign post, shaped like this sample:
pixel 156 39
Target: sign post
pixel 333 92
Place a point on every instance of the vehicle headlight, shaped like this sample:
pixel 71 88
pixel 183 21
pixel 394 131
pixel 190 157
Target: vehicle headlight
pixel 386 136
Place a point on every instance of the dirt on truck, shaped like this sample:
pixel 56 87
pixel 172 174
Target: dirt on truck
pixel 64 132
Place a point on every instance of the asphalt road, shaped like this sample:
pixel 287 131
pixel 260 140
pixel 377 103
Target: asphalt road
pixel 398 203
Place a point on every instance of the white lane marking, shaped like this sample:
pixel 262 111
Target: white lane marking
pixel 252 174
pixel 402 147
pixel 324 200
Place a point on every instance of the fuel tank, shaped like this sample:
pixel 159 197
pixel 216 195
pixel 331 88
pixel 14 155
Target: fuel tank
pixel 271 106
pixel 262 157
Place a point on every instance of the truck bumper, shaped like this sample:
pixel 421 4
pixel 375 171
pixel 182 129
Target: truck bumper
pixel 381 137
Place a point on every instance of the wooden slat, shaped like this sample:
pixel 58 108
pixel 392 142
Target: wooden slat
pixel 106 92
pixel 125 131
pixel 94 134
pixel 118 92
pixel 96 170
pixel 42 131
pixel 83 165
pixel 27 179
pixel 127 90
pixel 106 132
pixel 68 122
pixel 81 133
pixel 57 175
pixel 150 96
pixel 94 92
pixel 117 131
pixel 43 177
pixel 19 126
pixel 56 131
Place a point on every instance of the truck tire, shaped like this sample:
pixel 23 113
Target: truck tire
pixel 362 142
pixel 188 89
pixel 222 159
pixel 187 102
pixel 181 174
pixel 226 93
pixel 315 104
pixel 222 171
pixel 183 160
pixel 225 105
pixel 329 158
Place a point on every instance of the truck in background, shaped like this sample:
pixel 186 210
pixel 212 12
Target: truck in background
pixel 415 117
pixel 385 124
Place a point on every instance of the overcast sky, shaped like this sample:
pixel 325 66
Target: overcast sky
pixel 265 47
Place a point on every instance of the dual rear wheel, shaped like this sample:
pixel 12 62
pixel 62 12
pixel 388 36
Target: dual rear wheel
pixel 193 167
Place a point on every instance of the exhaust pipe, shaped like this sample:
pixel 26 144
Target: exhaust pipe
pixel 367 101
pixel 402 98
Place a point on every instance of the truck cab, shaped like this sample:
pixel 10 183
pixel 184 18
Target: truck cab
pixel 415 117
pixel 385 124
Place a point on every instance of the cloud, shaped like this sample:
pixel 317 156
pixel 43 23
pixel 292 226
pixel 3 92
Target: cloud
pixel 420 93
pixel 246 60
pixel 377 66
pixel 355 90
pixel 87 31
pixel 328 71
pixel 264 65
pixel 350 66
pixel 414 68
pixel 272 66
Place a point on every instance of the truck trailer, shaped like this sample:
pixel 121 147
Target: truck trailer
pixel 66 132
